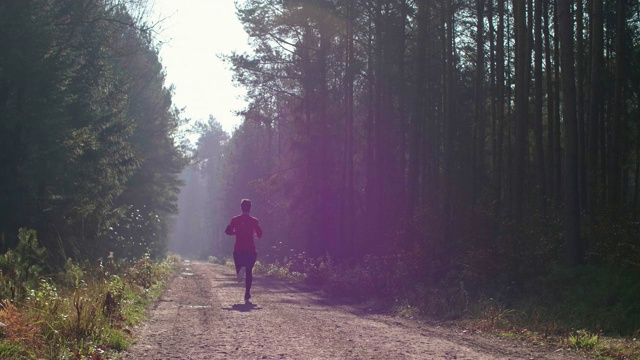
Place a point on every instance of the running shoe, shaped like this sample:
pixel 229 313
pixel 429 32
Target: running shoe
pixel 241 274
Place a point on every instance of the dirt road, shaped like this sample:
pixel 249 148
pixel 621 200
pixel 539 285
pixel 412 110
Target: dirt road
pixel 202 315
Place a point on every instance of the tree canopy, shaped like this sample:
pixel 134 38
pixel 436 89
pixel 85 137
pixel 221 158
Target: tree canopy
pixel 88 149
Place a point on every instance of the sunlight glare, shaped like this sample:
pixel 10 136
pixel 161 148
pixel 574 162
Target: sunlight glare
pixel 195 33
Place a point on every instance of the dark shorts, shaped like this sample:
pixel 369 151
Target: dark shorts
pixel 244 258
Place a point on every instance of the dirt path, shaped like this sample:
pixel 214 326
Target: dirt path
pixel 202 316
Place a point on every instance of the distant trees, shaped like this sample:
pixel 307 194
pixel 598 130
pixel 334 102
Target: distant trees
pixel 87 150
pixel 196 232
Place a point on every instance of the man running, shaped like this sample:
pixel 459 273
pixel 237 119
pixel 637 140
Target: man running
pixel 244 227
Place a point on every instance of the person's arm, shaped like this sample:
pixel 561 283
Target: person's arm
pixel 258 229
pixel 230 230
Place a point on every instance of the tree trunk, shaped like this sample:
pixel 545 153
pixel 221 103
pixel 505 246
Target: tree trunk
pixel 636 187
pixel 418 113
pixel 557 147
pixel 551 128
pixel 479 166
pixel 615 186
pixel 327 229
pixel 372 181
pixel 500 110
pixel 580 80
pixel 594 108
pixel 449 126
pixel 573 247
pixel 400 178
pixel 348 218
pixel 538 108
pixel 521 103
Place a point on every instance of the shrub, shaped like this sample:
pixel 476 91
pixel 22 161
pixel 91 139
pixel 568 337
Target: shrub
pixel 215 260
pixel 373 277
pixel 143 272
pixel 83 312
pixel 21 266
pixel 583 339
pixel 589 297
pixel 73 274
pixel 111 306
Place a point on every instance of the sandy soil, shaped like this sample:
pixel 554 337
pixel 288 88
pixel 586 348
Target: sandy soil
pixel 202 315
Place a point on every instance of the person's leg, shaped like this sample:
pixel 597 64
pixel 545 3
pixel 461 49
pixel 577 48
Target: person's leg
pixel 237 261
pixel 240 261
pixel 251 261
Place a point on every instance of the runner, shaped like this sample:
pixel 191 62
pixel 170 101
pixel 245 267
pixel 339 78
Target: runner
pixel 244 227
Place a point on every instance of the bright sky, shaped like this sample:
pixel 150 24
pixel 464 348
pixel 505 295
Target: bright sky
pixel 194 33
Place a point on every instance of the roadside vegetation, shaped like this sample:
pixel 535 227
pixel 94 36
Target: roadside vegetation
pixel 566 309
pixel 90 157
pixel 81 311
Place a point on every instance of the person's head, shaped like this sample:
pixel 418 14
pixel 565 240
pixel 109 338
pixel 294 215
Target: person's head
pixel 245 205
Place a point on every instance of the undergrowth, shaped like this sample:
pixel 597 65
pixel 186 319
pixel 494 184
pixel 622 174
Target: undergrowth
pixel 83 311
pixel 585 309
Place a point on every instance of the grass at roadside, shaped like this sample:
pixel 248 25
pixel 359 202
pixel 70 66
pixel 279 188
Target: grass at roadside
pixel 85 311
pixel 491 317
pixel 385 283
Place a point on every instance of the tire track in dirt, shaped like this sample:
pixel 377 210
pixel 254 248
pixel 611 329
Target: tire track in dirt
pixel 202 315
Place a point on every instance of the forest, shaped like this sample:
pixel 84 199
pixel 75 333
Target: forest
pixel 484 148
pixel 455 152
pixel 89 156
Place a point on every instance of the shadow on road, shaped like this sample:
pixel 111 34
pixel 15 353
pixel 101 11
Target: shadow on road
pixel 246 307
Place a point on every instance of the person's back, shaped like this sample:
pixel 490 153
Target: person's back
pixel 244 227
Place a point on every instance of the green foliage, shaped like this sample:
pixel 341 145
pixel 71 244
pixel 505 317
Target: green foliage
pixel 375 277
pixel 73 274
pixel 406 310
pixel 583 339
pixel 135 233
pixel 21 266
pixel 86 127
pixel 216 260
pixel 84 312
pixel 493 315
pixel 46 297
pixel 596 298
pixel 115 294
pixel 9 350
pixel 615 243
pixel 143 272
pixel 118 340
pixel 200 209
pixel 277 269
